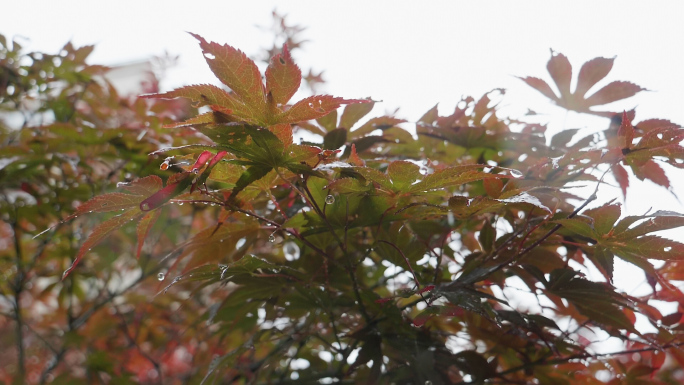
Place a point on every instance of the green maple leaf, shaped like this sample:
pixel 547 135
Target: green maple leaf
pixel 626 240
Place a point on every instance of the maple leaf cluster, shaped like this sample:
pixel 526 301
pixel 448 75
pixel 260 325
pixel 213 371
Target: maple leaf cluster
pixel 368 252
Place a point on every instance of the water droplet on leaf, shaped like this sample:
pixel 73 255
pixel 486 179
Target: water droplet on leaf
pixel 223 269
pixel 144 207
pixel 160 277
pixel 516 173
pixel 291 251
pixel 330 199
pixel 271 238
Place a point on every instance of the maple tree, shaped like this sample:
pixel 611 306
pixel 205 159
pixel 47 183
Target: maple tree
pixel 368 252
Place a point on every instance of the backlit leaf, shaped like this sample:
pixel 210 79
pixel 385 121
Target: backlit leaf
pixel 613 92
pixel 249 176
pixel 347 186
pixel 621 177
pixel 144 186
pixel 561 72
pixel 660 220
pixel 335 139
pixel 595 300
pixel 106 203
pixel 144 227
pixel 541 86
pixel 206 95
pixel 379 123
pixel 604 259
pixel 354 158
pixel 329 121
pixel 579 227
pixel 591 73
pixel 172 189
pixel 141 188
pixel 99 233
pixel 234 69
pixel 283 77
pixel 315 107
pixel 604 217
pixel 653 172
pixel 403 174
pixel 452 176
pixel 214 243
pixel 650 246
pixel 353 113
pixel 487 236
pixel 562 138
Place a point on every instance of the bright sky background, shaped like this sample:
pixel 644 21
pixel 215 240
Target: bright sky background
pixel 408 54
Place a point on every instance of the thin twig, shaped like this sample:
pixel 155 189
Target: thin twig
pixel 544 361
pixel 18 289
pixel 557 227
pixel 415 278
pixel 132 341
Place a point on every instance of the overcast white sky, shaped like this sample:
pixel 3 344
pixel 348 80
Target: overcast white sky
pixel 409 54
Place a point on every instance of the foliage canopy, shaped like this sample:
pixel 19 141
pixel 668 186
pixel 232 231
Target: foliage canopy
pixel 368 252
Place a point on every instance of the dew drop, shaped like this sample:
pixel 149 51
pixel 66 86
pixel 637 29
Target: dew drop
pixel 195 171
pixel 428 382
pixel 164 165
pixel 271 238
pixel 160 276
pixel 223 269
pixel 241 242
pixel 668 248
pixel 122 184
pixel 330 199
pixel 516 173
pixel 291 251
pixel 145 207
